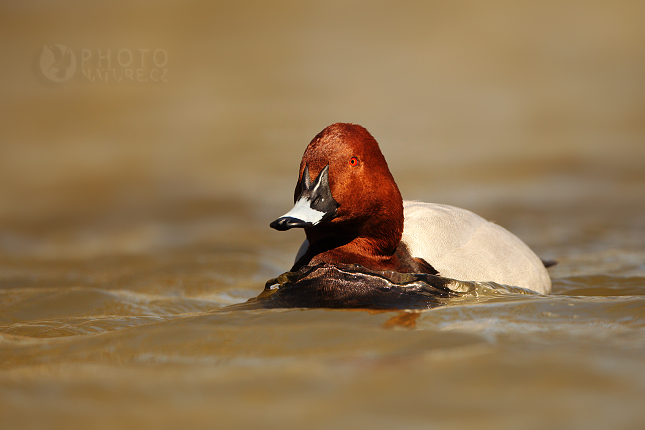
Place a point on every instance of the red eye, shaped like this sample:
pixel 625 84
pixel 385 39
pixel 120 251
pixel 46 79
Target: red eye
pixel 353 161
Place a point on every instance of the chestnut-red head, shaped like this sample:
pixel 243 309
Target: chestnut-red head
pixel 345 192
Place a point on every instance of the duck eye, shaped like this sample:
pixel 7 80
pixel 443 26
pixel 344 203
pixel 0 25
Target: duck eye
pixel 353 161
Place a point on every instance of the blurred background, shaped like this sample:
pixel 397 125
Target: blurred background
pixel 470 102
pixel 145 146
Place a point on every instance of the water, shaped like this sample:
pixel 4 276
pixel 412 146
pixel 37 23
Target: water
pixel 133 213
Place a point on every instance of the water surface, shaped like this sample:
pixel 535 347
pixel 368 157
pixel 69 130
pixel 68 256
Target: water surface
pixel 132 214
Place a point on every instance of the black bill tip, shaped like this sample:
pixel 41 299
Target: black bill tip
pixel 287 222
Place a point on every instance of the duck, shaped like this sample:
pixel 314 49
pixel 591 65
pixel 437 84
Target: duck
pixel 352 212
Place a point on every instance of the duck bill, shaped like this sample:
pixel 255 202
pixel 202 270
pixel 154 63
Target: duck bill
pixel 314 204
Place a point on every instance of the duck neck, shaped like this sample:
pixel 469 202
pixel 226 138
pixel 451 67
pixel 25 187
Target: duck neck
pixel 375 248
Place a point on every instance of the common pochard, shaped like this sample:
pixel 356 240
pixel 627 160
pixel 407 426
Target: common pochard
pixel 352 212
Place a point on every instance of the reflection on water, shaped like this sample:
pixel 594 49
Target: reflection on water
pixel 132 214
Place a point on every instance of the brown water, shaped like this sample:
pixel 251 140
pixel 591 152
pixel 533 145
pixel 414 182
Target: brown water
pixel 133 211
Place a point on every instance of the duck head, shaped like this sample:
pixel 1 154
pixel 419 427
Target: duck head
pixel 346 194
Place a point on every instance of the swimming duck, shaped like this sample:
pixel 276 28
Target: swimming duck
pixel 352 212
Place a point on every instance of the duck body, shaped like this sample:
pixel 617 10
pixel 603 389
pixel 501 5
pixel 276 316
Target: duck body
pixel 352 212
pixel 462 245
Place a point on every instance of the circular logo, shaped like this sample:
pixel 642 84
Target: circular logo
pixel 58 63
